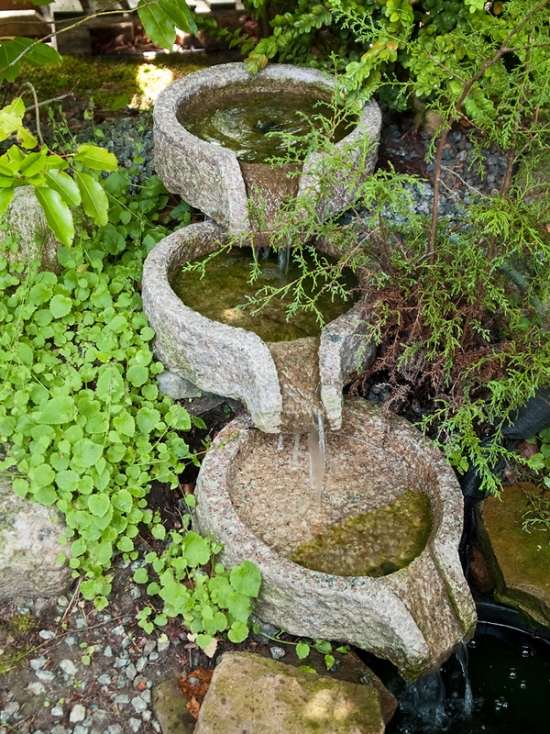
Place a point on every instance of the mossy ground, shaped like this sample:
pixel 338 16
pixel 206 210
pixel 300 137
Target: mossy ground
pixel 17 633
pixel 112 84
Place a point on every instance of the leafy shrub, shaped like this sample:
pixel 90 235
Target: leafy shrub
pixel 80 411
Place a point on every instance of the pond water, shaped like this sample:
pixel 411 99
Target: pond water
pixel 250 123
pixel 374 543
pixel 225 289
pixel 506 690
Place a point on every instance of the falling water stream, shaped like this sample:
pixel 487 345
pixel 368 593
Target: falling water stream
pixel 317 456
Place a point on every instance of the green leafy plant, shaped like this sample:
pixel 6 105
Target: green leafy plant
pixel 210 599
pixel 61 183
pixel 540 461
pixel 84 426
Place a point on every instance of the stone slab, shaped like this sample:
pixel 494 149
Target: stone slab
pixel 520 561
pixel 249 693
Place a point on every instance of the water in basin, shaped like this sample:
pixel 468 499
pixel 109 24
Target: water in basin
pixel 223 291
pixel 250 123
pixel 374 543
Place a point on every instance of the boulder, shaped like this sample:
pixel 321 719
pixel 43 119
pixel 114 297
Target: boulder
pixel 26 223
pixel 170 707
pixel 520 561
pixel 30 543
pixel 262 696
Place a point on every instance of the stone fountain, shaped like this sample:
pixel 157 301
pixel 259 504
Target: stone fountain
pixel 262 491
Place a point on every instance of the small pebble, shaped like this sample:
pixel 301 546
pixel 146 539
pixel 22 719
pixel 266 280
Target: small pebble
pixel 277 652
pixel 138 704
pixel 104 680
pixel 163 643
pixel 68 667
pixel 37 663
pixel 46 675
pixel 114 729
pixel 135 725
pixel 36 688
pixel 46 635
pixel 57 711
pixel 107 651
pixel 130 671
pixel 121 699
pixel 78 713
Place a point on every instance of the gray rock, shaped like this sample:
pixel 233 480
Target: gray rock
pixel 78 713
pixel 163 643
pixel 26 223
pixel 170 709
pixel 37 663
pixel 104 679
pixel 280 698
pixel 30 542
pixel 210 178
pixel 138 704
pixel 122 699
pixel 177 387
pixel 47 676
pixel 46 634
pixel 277 652
pixel 135 724
pixel 36 688
pixel 57 711
pixel 414 617
pixel 68 667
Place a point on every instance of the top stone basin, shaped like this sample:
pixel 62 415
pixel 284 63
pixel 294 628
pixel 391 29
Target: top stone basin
pixel 218 180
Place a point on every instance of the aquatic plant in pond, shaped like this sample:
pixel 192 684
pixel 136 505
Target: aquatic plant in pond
pixel 224 288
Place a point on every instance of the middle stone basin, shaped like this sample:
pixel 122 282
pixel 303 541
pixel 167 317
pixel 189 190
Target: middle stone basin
pixel 281 383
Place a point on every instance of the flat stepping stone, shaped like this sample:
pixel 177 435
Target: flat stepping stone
pixel 519 560
pixel 253 694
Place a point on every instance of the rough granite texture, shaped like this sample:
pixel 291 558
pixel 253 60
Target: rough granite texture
pixel 30 536
pixel 209 176
pixel 236 363
pixel 26 221
pixel 249 693
pixel 519 561
pixel 413 617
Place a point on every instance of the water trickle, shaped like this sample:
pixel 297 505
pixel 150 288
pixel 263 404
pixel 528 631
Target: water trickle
pixel 428 700
pixel 317 455
pixel 283 260
pixel 462 657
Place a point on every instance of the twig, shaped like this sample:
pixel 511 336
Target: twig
pixel 36 111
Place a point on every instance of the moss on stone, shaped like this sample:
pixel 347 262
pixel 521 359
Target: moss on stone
pixel 520 561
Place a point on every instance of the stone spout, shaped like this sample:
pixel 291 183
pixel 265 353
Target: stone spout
pixel 414 616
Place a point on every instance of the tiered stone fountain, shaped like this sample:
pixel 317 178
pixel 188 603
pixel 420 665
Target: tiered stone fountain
pixel 356 532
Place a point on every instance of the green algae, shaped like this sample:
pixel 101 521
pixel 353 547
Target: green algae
pixel 222 293
pixel 253 124
pixel 374 543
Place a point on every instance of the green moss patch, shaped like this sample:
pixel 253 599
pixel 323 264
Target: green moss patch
pixel 520 560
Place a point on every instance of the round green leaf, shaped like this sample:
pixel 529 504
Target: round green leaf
pixel 98 504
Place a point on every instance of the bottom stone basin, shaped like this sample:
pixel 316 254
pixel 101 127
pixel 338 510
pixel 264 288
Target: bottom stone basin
pixel 369 557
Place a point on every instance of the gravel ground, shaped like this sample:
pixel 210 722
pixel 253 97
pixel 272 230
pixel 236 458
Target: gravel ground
pixel 85 672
